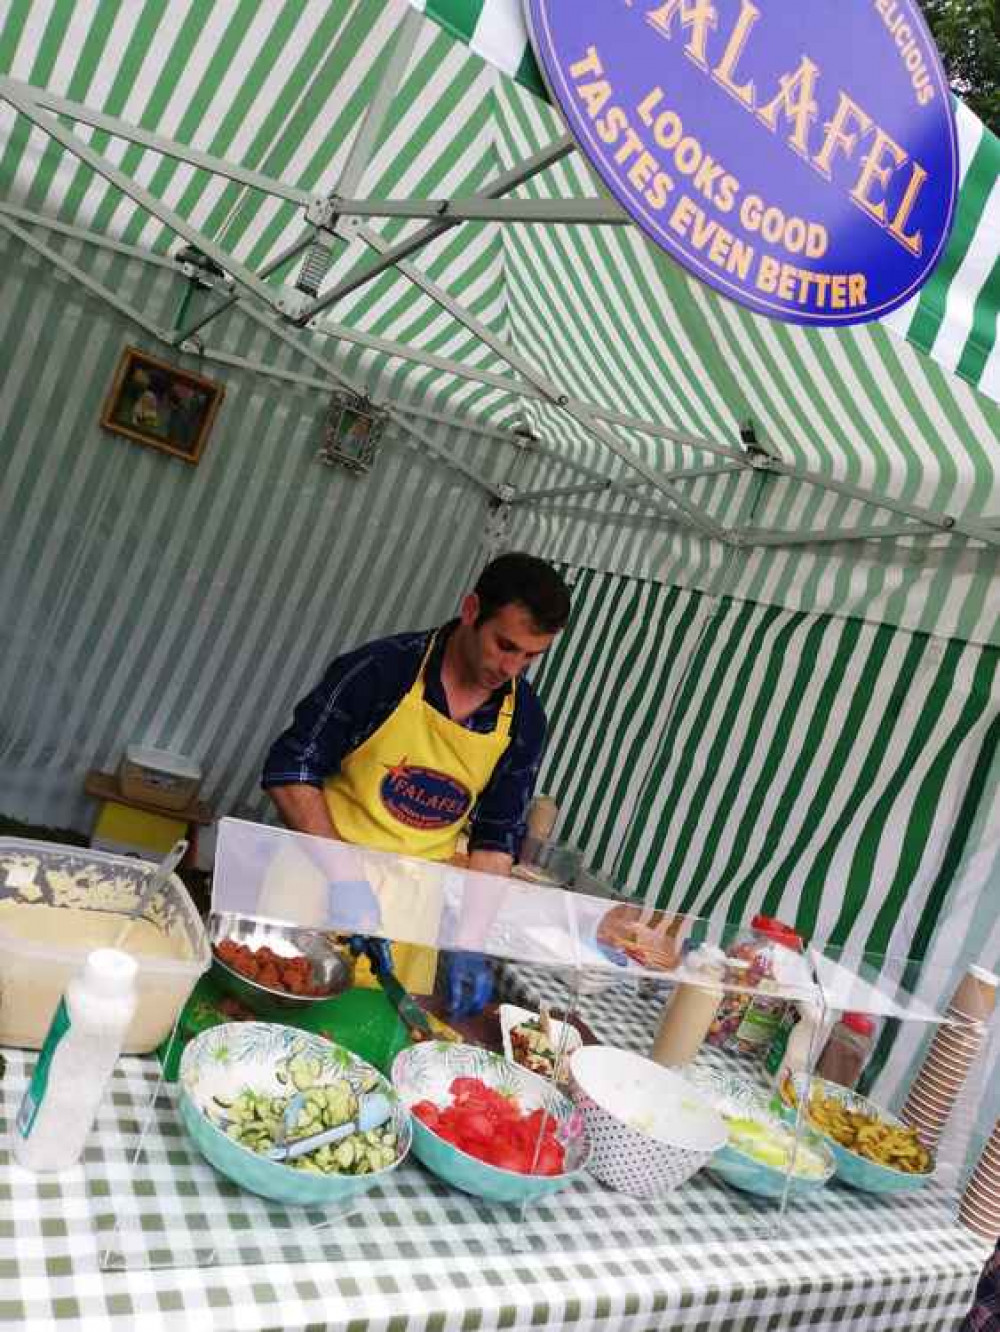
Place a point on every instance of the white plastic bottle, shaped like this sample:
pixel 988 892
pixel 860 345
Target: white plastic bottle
pixel 75 1063
pixel 802 1042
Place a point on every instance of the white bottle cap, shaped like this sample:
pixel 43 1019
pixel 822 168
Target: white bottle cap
pixel 110 972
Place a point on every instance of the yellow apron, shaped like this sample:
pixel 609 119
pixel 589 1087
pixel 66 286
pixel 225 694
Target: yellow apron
pixel 410 788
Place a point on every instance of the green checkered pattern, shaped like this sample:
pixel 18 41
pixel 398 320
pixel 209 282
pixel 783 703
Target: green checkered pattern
pixel 168 1242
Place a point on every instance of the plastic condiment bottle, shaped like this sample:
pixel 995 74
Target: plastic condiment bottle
pixel 690 1010
pixel 799 1045
pixel 848 1050
pixel 75 1063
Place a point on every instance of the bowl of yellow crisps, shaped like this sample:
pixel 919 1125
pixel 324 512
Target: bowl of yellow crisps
pixel 874 1150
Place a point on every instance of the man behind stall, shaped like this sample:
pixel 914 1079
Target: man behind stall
pixel 410 740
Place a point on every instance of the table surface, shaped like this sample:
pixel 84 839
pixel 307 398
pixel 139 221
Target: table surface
pixel 191 1250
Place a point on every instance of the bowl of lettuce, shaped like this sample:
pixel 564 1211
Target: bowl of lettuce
pixel 763 1155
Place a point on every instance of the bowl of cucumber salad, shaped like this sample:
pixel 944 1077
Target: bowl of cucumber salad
pixel 290 1115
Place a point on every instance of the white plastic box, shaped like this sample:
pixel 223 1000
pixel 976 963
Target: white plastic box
pixel 34 972
pixel 158 777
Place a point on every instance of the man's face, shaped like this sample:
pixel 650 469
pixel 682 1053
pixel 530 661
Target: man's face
pixel 502 646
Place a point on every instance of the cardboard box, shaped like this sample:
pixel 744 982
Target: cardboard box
pixel 158 777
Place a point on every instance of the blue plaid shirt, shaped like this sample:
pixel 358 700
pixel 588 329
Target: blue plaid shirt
pixel 984 1316
pixel 359 692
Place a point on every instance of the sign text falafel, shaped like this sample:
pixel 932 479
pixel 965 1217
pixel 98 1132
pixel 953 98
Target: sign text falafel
pixel 801 158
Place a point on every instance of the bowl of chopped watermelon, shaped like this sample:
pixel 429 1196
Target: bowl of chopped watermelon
pixel 487 1126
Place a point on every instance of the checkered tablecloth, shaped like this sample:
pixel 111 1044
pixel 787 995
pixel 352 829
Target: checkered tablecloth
pixel 168 1243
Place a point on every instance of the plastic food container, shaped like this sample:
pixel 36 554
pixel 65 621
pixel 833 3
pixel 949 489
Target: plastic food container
pixel 35 970
pixel 748 1022
pixel 157 777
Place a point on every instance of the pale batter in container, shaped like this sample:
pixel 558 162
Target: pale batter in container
pixel 42 946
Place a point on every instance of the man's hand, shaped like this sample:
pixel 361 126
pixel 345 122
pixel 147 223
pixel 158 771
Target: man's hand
pixel 304 809
pixel 468 984
pixel 377 951
pixel 491 862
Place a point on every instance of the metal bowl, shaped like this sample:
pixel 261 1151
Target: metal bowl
pixel 331 967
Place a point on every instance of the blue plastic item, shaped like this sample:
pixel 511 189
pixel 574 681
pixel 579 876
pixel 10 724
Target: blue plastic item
pixel 377 951
pixel 468 984
pixel 373 1111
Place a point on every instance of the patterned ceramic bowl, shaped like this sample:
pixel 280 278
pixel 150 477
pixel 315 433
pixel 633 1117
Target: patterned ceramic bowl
pixel 649 1129
pixel 853 1168
pixel 741 1103
pixel 426 1072
pixel 253 1056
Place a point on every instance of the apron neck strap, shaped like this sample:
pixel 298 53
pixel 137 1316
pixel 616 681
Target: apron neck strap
pixel 506 707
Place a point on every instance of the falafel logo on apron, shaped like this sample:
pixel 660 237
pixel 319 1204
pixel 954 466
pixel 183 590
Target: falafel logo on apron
pixel 423 797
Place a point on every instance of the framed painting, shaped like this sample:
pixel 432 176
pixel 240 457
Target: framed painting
pixel 159 404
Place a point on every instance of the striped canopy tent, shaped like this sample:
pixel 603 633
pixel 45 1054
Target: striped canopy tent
pixel 779 688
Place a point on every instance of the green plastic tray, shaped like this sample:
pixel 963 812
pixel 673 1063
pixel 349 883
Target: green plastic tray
pixel 362 1020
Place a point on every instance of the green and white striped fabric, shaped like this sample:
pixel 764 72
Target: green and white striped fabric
pixel 954 317
pixel 494 30
pixel 722 757
pixel 714 673
pixel 617 323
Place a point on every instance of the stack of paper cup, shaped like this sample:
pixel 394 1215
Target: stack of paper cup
pixel 980 1206
pixel 952 1053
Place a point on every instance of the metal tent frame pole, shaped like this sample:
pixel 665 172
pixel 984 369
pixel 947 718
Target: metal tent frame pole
pixel 88 283
pixel 23 98
pixel 24 101
pixel 350 177
pixel 503 184
pixel 332 376
pixel 610 487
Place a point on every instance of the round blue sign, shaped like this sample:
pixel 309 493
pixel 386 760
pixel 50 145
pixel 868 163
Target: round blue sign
pixel 423 797
pixel 799 156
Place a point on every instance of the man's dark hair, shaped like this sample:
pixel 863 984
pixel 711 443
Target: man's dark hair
pixel 528 581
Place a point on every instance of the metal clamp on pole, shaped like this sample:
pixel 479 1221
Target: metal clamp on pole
pixel 323 211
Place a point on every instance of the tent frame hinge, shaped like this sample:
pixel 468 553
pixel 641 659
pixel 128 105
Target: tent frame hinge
pixel 292 304
pixel 323 211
